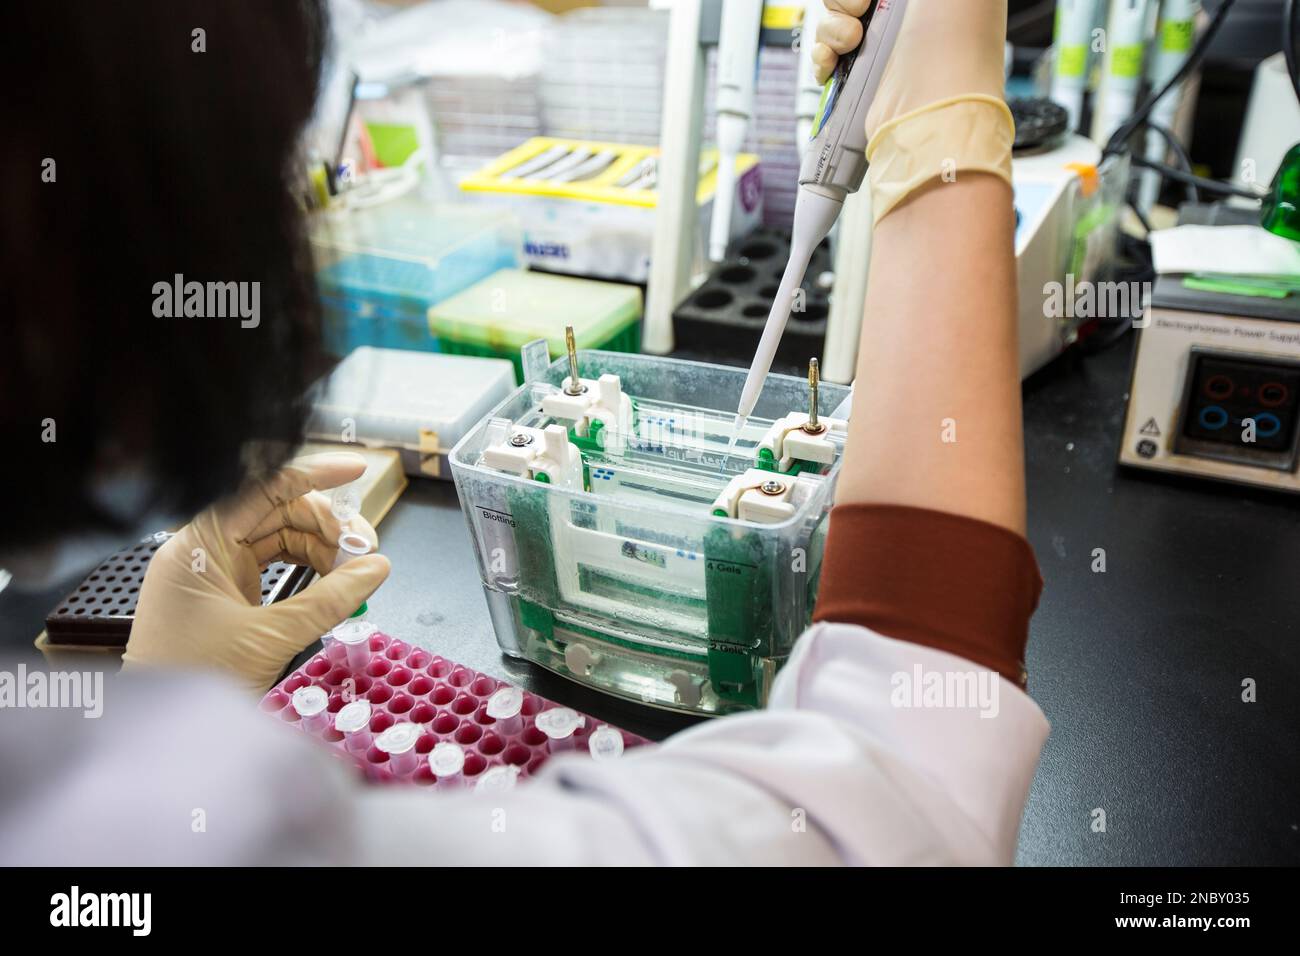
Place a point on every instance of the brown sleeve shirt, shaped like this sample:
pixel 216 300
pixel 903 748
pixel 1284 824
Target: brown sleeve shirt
pixel 940 580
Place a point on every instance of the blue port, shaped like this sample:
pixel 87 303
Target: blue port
pixel 1213 417
pixel 1267 424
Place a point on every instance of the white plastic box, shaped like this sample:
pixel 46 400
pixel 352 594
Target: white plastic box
pixel 416 402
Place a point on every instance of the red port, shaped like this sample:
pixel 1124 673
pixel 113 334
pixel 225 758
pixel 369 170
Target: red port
pixel 1219 386
pixel 1273 394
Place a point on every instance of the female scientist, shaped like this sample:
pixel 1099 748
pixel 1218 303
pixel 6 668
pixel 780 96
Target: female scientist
pixel 139 156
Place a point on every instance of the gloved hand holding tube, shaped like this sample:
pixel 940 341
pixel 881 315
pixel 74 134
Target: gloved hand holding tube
pixel 201 603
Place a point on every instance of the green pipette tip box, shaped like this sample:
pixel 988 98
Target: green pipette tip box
pixel 500 314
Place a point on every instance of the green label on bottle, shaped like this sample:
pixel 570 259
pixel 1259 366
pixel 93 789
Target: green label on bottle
pixel 1176 35
pixel 1126 62
pixel 1073 61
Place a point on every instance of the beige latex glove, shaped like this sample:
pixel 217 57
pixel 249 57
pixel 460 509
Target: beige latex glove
pixel 940 108
pixel 201 602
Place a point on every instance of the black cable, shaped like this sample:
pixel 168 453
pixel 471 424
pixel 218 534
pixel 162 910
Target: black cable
pixel 1184 161
pixel 1141 217
pixel 1289 12
pixel 1209 185
pixel 1121 136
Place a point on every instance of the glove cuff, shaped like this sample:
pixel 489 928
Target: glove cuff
pixel 971 134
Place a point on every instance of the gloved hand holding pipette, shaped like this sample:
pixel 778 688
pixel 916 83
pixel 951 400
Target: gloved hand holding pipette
pixel 932 114
pixel 201 605
pixel 896 113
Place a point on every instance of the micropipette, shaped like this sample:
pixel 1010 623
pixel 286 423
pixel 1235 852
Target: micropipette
pixel 737 64
pixel 1075 22
pixel 1126 41
pixel 1175 34
pixel 833 166
pixel 808 92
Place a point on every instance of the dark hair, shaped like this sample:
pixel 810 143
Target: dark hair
pixel 165 160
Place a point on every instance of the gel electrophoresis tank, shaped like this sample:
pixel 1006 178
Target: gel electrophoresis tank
pixel 620 544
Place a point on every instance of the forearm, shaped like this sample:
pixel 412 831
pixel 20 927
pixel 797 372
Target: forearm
pixel 936 418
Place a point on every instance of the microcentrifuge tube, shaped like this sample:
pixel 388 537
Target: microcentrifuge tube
pixel 345 504
pixel 447 761
pixel 352 545
pixel 353 722
pixel 498 780
pixel 310 703
pixel 559 724
pixel 398 741
pixel 355 638
pixel 504 707
pixel 605 743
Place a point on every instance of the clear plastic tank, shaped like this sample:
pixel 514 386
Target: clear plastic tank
pixel 635 579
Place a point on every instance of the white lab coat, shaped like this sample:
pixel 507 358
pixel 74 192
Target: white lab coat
pixel 187 771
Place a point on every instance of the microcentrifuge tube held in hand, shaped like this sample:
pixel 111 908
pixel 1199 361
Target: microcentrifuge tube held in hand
pixel 398 741
pixel 310 703
pixel 447 761
pixel 353 722
pixel 345 504
pixel 505 707
pixel 355 636
pixel 559 725
pixel 352 545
